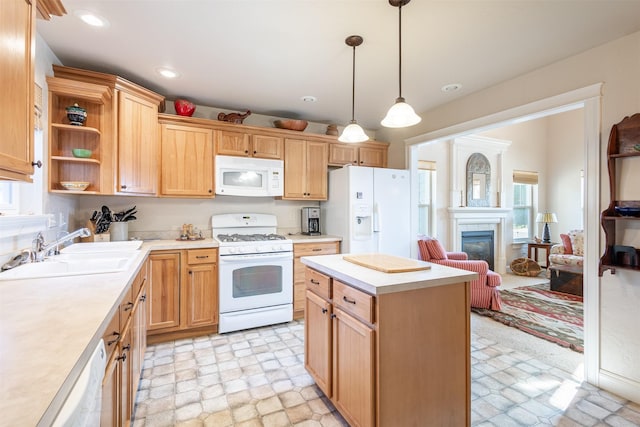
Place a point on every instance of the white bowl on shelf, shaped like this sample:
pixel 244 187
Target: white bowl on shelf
pixel 75 185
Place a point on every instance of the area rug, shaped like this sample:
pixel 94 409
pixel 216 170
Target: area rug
pixel 553 316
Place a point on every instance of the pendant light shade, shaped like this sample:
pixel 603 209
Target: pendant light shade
pixel 353 132
pixel 400 114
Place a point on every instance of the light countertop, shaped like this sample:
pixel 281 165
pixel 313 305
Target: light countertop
pixel 48 329
pixel 376 282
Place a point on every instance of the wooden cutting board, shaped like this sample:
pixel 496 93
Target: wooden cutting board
pixel 387 263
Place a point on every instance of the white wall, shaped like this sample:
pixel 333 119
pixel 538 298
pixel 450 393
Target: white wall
pixel 617 66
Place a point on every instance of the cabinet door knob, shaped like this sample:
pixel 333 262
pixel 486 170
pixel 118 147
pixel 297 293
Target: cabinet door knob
pixel 324 310
pixel 210 191
pixel 333 316
pixel 123 186
pixel 38 164
pixel 255 152
pixel 246 151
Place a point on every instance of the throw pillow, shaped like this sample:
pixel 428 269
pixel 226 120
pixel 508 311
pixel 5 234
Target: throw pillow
pixel 566 242
pixel 435 249
pixel 577 242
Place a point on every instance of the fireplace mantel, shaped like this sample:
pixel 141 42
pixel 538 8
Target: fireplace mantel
pixel 493 218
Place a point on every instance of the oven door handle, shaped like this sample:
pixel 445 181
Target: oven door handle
pixel 253 258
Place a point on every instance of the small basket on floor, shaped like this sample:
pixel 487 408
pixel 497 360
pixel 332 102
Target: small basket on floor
pixel 525 267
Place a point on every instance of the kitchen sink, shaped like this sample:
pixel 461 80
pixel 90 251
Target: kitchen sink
pixel 65 265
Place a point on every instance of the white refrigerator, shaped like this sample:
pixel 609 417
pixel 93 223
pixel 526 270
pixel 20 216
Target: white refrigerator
pixel 370 209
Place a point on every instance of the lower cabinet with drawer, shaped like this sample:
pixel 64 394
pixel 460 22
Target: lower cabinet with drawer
pixel 125 342
pixel 183 294
pixel 394 359
pixel 300 250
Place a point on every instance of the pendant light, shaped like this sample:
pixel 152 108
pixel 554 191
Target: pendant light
pixel 353 132
pixel 400 114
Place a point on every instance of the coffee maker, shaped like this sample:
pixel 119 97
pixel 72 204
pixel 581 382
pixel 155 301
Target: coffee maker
pixel 310 221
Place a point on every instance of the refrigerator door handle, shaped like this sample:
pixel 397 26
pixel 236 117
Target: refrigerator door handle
pixel 376 218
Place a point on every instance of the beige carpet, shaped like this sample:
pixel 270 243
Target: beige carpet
pixel 545 351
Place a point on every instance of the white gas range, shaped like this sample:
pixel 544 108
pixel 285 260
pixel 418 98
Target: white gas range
pixel 255 273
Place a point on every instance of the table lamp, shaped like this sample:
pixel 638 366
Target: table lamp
pixel 546 217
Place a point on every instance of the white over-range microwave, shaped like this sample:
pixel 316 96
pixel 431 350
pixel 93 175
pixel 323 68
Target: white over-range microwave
pixel 248 176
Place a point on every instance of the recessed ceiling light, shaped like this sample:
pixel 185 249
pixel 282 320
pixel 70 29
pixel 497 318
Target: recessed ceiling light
pixel 167 72
pixel 309 98
pixel 451 87
pixel 92 19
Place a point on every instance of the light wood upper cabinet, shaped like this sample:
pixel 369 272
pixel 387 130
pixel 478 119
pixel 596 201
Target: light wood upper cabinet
pixel 267 146
pixel 372 154
pixel 243 144
pixel 137 145
pixel 133 115
pixel 230 143
pixel 305 169
pixel 186 161
pixel 17 56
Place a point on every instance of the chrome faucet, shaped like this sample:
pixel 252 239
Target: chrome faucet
pixel 41 249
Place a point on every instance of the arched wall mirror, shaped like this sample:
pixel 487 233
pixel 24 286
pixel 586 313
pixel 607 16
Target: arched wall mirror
pixel 478 180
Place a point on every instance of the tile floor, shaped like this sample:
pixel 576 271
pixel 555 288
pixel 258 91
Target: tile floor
pixel 257 378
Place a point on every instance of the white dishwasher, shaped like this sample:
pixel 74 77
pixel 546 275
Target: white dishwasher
pixel 82 407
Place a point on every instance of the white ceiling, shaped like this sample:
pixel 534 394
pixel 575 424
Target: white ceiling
pixel 265 55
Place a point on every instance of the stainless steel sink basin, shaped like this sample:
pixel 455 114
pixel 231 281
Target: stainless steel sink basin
pixel 65 265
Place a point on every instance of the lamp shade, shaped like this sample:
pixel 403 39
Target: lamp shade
pixel 400 115
pixel 353 133
pixel 546 217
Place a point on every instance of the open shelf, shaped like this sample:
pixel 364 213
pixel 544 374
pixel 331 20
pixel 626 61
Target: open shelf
pixel 75 159
pixel 74 128
pixel 623 139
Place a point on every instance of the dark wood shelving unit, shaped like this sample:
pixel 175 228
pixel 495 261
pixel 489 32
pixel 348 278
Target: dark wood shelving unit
pixel 624 141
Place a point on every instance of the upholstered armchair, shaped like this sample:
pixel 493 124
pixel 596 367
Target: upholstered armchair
pixel 484 290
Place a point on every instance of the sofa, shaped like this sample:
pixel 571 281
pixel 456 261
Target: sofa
pixel 484 289
pixel 570 252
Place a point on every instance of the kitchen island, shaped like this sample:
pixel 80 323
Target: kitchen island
pixel 390 349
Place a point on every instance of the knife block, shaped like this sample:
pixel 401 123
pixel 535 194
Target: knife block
pixel 103 237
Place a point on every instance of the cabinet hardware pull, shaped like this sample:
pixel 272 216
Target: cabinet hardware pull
pixel 324 310
pixel 123 186
pixel 126 347
pixel 315 282
pixel 123 357
pixel 255 152
pixel 115 334
pixel 190 272
pixel 143 297
pixel 202 256
pixel 38 164
pixel 246 151
pixel 316 249
pixel 128 306
pixel 350 301
pixel 333 316
pixel 210 191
